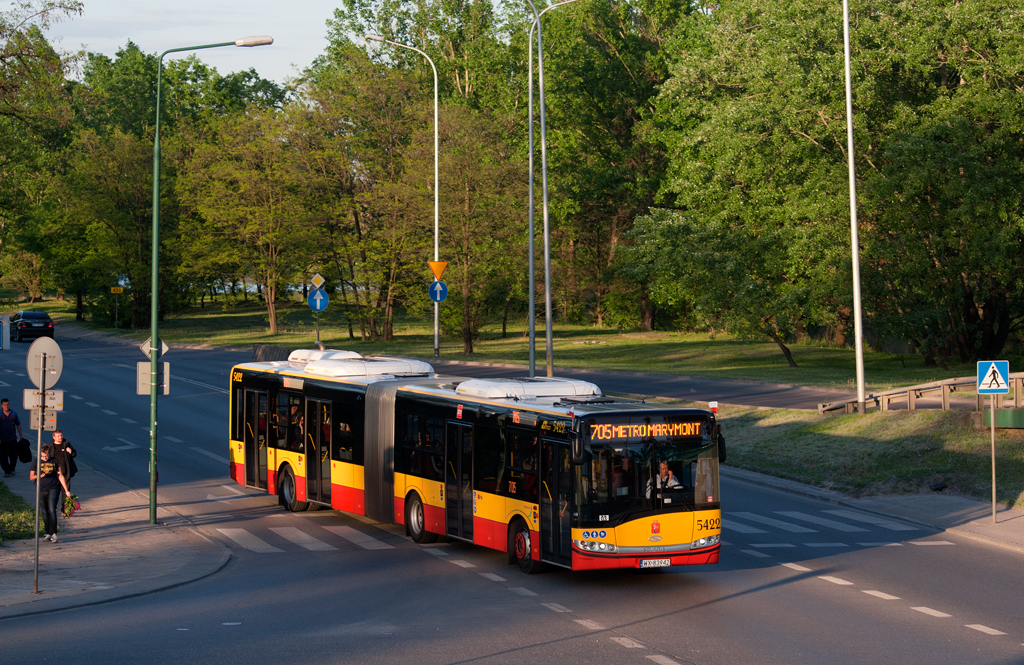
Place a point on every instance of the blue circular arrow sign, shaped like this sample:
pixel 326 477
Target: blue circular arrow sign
pixel 318 300
pixel 438 291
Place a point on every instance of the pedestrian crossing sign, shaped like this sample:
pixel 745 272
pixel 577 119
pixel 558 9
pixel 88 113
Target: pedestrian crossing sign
pixel 993 377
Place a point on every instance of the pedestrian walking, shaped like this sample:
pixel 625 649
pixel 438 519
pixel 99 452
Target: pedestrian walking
pixel 65 455
pixel 51 478
pixel 10 434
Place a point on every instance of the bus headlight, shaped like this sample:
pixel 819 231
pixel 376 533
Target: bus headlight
pixel 705 542
pixel 594 546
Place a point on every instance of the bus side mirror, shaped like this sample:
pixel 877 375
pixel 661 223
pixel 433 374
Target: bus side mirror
pixel 577 448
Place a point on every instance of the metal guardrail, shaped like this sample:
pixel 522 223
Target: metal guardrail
pixel 945 388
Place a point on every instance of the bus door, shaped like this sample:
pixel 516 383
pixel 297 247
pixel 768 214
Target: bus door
pixel 318 451
pixel 458 474
pixel 556 502
pixel 255 439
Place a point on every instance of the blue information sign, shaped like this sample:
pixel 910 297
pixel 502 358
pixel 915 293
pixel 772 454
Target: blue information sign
pixel 993 377
pixel 438 291
pixel 318 300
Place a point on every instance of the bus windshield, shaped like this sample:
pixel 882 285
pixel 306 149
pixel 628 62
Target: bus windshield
pixel 641 465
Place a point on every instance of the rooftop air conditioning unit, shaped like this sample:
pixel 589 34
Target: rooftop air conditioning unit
pixel 527 388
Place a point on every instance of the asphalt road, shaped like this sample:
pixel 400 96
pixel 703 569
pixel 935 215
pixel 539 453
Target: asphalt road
pixel 799 582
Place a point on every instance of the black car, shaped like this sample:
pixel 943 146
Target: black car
pixel 29 325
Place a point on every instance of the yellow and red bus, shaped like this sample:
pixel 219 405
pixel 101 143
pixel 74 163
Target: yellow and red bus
pixel 550 470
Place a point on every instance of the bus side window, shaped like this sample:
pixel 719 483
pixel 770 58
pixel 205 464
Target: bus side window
pixel 520 479
pixel 488 459
pixel 239 420
pixel 342 438
pixel 280 436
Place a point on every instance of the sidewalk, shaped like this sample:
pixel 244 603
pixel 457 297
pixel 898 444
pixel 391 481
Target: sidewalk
pixel 950 513
pixel 107 551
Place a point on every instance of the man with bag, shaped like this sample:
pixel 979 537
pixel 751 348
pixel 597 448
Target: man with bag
pixel 10 434
pixel 65 455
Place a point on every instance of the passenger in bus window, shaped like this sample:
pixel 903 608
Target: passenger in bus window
pixel 622 477
pixel 296 431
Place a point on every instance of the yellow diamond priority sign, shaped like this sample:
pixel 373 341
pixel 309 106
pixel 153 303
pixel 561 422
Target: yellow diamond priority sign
pixel 318 281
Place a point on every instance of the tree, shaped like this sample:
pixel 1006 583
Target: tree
pixel 245 184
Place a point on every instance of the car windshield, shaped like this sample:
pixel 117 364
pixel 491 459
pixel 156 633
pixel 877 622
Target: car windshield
pixel 648 465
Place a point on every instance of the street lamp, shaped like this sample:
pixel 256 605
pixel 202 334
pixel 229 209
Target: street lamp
pixel 858 320
pixel 154 340
pixel 547 254
pixel 437 305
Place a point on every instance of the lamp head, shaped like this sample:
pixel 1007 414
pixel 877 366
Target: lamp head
pixel 255 40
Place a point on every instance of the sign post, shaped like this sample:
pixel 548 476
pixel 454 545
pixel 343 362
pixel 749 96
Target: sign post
pixel 438 268
pixel 116 290
pixel 44 361
pixel 993 379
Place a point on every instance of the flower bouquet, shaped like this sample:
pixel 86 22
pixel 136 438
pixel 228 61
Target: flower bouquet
pixel 71 505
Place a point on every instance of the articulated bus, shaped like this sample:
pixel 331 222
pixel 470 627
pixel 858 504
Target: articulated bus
pixel 550 470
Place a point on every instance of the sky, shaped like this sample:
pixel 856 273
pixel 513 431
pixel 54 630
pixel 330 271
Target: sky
pixel 298 28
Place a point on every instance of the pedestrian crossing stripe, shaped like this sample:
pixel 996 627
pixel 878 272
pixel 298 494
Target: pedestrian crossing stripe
pixel 993 377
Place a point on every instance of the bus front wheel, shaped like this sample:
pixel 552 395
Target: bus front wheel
pixel 288 496
pixel 521 549
pixel 416 522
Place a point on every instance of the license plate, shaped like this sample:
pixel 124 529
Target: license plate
pixel 37 325
pixel 655 563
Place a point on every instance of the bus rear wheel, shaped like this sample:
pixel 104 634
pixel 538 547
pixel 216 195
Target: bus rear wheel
pixel 521 549
pixel 287 495
pixel 416 521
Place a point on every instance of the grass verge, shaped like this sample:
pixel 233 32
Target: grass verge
pixel 878 453
pixel 15 516
pixel 690 354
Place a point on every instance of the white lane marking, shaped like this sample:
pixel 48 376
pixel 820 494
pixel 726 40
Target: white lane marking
pixel 984 629
pixel 18 374
pixel 826 545
pixel 437 552
pixel 462 563
pixel 214 497
pixel 771 521
pixel 741 528
pixel 144 429
pixel 930 612
pixel 249 541
pixel 492 577
pixel 797 567
pixel 835 580
pixel 109 412
pixel 923 543
pixel 74 397
pixel 358 538
pixel 91 404
pixel 555 607
pixel 130 421
pixel 628 643
pixel 234 490
pixel 587 623
pixel 755 553
pixel 129 446
pixel 232 623
pixel 662 660
pixel 881 544
pixel 301 538
pixel 772 545
pixel 201 384
pixel 199 450
pixel 173 440
pixel 522 591
pixel 871 519
pixel 820 521
pixel 883 596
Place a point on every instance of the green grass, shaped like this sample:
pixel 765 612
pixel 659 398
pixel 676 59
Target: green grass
pixel 15 516
pixel 879 453
pixel 691 354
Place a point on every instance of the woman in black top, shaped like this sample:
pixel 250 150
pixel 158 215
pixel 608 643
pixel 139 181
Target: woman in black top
pixel 50 476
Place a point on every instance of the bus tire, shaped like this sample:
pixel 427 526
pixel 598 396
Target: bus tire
pixel 288 496
pixel 520 548
pixel 416 522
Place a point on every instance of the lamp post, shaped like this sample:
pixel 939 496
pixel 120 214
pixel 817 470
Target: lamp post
pixel 154 346
pixel 547 263
pixel 858 320
pixel 437 305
